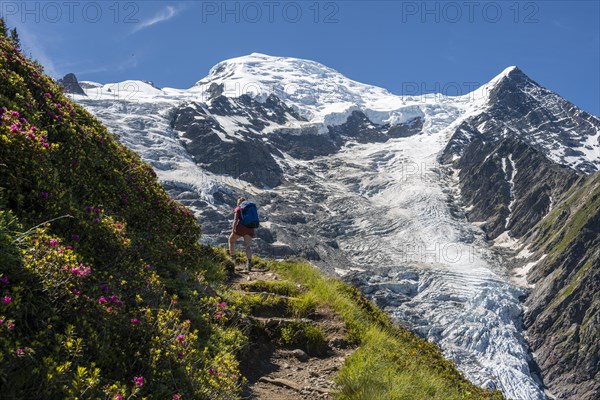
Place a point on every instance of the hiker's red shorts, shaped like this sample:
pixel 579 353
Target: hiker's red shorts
pixel 242 230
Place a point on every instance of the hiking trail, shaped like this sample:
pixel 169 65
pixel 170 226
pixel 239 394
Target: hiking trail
pixel 278 372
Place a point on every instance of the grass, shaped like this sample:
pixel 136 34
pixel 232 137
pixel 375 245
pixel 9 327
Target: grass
pixel 253 303
pixel 556 239
pixel 304 335
pixel 384 367
pixel 390 362
pixel 574 283
pixel 304 305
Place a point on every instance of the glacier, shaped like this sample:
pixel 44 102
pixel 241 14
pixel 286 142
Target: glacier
pixel 401 225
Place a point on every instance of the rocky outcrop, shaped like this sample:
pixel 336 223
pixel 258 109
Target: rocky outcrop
pixel 541 117
pixel 226 136
pixel 237 154
pixel 519 107
pixel 509 184
pixel 359 128
pixel 563 309
pixel 71 85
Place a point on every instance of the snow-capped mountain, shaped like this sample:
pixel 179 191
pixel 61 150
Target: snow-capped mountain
pixel 399 194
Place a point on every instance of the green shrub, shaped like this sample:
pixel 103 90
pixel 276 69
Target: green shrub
pixel 303 335
pixel 102 277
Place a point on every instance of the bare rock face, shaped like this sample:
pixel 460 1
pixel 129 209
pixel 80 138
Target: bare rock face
pixel 510 184
pixel 71 85
pixel 242 156
pixel 519 107
pixel 563 309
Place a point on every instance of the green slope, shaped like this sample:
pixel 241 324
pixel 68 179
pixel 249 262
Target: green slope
pixel 104 278
pixel 563 309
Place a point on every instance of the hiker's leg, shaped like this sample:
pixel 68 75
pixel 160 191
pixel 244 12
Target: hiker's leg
pixel 247 242
pixel 232 238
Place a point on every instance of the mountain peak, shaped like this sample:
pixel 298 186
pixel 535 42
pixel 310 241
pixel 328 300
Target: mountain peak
pixel 257 66
pixel 70 84
pixel 511 80
pixel 513 69
pixel 311 88
pixel 512 74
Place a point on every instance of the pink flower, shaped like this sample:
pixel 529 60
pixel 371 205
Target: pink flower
pixel 176 396
pixel 138 380
pixel 20 351
pixel 118 396
pixel 81 271
pixel 46 145
pixel 11 325
pixel 135 321
pixel 211 371
pixel 102 300
pixel 180 338
pixel 53 242
pixel 6 299
pixel 222 305
pixel 76 292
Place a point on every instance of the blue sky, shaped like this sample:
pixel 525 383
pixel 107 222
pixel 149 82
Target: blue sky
pixel 404 46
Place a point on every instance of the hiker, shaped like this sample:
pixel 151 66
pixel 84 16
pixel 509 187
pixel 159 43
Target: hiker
pixel 245 219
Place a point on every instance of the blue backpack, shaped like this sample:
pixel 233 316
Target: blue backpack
pixel 249 215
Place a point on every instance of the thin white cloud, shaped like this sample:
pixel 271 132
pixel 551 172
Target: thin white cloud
pixel 163 15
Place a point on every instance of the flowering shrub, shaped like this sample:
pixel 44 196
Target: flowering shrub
pixel 102 277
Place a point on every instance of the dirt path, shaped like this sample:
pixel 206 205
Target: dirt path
pixel 278 373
